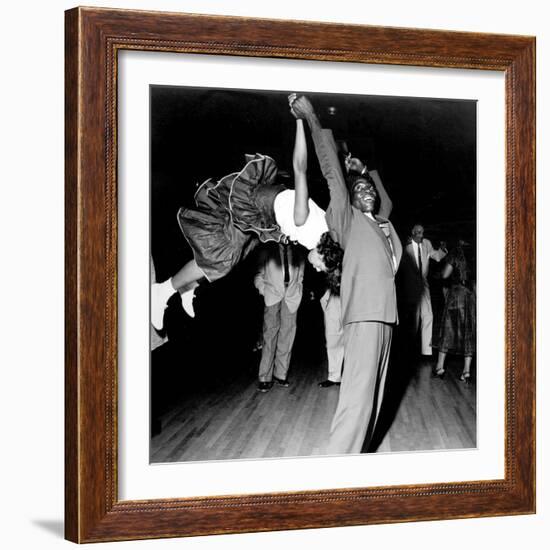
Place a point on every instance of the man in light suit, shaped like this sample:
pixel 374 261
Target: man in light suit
pixel 415 267
pixel 372 252
pixel 330 303
pixel 280 281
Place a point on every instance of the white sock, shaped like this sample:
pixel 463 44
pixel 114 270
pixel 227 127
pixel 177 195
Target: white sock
pixel 160 293
pixel 187 302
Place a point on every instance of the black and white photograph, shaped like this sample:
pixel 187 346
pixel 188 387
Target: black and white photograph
pixel 313 274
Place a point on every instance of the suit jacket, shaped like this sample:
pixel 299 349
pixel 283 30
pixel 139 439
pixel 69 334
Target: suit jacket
pixel 414 282
pixel 269 279
pixel 368 271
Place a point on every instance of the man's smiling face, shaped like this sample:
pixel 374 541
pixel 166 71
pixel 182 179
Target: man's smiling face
pixel 363 195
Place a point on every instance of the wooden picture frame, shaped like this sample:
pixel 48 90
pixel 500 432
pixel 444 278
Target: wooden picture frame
pixel 93 511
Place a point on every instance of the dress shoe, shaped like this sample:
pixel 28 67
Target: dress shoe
pixel 285 383
pixel 264 387
pixel 328 384
pixel 187 302
pixel 160 292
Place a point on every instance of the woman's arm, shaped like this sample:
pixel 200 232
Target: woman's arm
pixel 438 254
pixel 299 163
pixel 339 211
pixel 446 271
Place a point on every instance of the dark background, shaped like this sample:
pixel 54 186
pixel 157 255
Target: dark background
pixel 423 148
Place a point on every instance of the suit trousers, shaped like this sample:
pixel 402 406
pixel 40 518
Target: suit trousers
pixel 278 338
pixel 425 322
pixel 367 352
pixel 334 337
pixel 421 321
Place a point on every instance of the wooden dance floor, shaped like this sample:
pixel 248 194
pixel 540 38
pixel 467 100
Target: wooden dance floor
pixel 227 418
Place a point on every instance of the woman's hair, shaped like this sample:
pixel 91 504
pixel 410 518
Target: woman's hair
pixel 461 260
pixel 332 257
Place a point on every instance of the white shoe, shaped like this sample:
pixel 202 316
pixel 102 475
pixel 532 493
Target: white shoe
pixel 187 302
pixel 160 292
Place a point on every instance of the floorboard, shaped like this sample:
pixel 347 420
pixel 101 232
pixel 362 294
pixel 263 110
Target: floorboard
pixel 232 420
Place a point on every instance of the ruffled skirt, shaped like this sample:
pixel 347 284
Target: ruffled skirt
pixel 231 216
pixel 457 333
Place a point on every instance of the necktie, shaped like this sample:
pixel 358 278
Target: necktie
pixel 384 226
pixel 285 265
pixel 419 259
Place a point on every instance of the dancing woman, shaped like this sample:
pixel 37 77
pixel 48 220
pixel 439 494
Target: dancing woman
pixel 457 333
pixel 235 213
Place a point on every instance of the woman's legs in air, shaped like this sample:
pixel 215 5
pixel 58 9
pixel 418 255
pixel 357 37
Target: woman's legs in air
pixel 184 281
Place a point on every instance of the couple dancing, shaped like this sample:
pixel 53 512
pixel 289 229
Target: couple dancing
pixel 247 207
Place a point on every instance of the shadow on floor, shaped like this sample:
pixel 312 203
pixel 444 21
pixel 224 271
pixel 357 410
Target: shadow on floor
pixel 400 374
